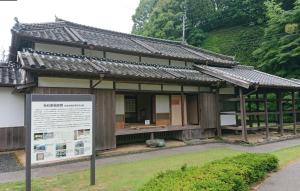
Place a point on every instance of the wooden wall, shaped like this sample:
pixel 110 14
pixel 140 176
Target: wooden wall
pixel 12 138
pixel 105 113
pixel 209 112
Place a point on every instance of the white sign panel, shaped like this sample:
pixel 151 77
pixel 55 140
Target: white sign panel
pixel 60 130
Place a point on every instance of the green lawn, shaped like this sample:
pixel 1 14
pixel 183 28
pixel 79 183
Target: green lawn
pixel 131 175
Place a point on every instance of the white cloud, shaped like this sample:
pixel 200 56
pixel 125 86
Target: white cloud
pixel 106 14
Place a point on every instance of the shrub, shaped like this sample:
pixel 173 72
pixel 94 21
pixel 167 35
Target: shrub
pixel 229 174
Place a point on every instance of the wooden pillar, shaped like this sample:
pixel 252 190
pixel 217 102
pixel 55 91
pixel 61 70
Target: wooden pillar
pixel 280 114
pixel 219 130
pixel 199 109
pixel 266 116
pixel 182 109
pixel 257 110
pixel 294 112
pixel 243 115
pixel 249 110
pixel 237 121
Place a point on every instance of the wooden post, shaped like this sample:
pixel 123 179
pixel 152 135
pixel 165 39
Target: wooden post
pixel 280 114
pixel 243 115
pixel 199 110
pixel 182 109
pixel 219 130
pixel 257 110
pixel 249 110
pixel 266 116
pixel 294 113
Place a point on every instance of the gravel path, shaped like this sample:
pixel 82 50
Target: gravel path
pixel 63 168
pixel 8 163
pixel 286 179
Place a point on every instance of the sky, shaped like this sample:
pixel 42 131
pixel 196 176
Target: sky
pixel 106 14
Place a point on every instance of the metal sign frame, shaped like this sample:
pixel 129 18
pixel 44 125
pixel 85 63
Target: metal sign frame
pixel 56 97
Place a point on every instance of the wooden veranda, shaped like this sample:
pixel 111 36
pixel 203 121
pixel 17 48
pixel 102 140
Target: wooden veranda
pixel 269 109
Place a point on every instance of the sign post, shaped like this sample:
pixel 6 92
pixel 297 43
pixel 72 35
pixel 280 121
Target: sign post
pixel 59 127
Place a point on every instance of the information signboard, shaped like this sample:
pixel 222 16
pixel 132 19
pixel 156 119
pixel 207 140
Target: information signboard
pixel 59 127
pixel 60 130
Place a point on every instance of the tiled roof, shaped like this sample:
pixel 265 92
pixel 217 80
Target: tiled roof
pixel 246 76
pixel 70 64
pixel 63 31
pixel 10 76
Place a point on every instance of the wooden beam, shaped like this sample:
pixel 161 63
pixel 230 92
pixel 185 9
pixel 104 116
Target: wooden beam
pixel 243 116
pixel 266 116
pixel 294 113
pixel 280 114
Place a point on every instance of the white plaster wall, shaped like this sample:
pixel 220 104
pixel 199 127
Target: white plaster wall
pixel 171 88
pixel 228 119
pixel 190 88
pixel 120 104
pixel 105 84
pixel 177 63
pixel 93 53
pixel 124 57
pixel 162 104
pixel 151 87
pixel 204 89
pixel 11 108
pixel 190 64
pixel 227 91
pixel 63 82
pixel 57 48
pixel 127 86
pixel 158 61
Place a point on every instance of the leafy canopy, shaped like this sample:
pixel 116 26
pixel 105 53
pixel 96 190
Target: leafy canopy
pixel 279 53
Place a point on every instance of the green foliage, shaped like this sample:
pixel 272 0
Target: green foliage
pixel 230 174
pixel 142 14
pixel 239 41
pixel 279 53
pixel 165 21
pixel 163 18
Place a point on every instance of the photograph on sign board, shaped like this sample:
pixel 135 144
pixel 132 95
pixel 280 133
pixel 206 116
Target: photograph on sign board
pixel 38 136
pixel 61 150
pixel 79 148
pixel 40 156
pixel 49 135
pixel 39 147
pixel 81 133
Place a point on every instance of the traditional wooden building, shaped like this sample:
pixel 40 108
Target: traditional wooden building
pixel 144 87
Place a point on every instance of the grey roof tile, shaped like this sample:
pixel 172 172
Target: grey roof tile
pixel 113 68
pixel 69 32
pixel 10 76
pixel 246 76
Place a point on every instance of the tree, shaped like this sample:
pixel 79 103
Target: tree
pixel 165 21
pixel 163 18
pixel 142 14
pixel 279 52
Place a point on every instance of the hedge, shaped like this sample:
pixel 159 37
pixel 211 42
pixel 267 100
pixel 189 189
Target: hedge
pixel 229 174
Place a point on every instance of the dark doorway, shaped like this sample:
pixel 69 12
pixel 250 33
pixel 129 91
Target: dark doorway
pixel 131 109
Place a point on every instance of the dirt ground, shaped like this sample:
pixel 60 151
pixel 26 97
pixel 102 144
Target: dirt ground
pixel 257 137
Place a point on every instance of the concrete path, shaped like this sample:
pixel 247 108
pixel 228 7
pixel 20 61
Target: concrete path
pixel 70 167
pixel 287 179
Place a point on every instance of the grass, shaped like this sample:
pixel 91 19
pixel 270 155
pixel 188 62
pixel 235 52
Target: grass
pixel 132 175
